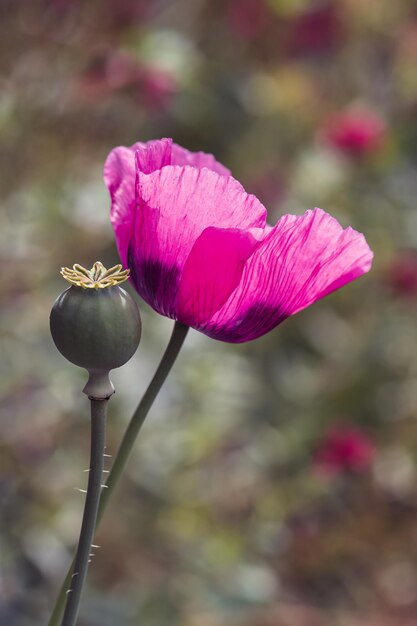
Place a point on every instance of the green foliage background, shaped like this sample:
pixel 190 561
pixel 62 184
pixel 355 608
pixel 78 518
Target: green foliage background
pixel 223 516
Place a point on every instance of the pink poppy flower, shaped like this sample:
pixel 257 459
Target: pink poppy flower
pixel 345 449
pixel 356 132
pixel 200 250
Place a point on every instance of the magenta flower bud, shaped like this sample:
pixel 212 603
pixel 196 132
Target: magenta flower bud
pixel 96 324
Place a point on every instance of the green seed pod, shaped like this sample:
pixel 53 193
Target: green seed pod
pixel 95 324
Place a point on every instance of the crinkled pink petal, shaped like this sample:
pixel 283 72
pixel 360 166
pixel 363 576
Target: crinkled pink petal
pixel 213 270
pixel 120 174
pixel 153 155
pixel 181 156
pixel 174 206
pixel 300 260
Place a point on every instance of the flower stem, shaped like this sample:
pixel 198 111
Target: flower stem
pixel 98 431
pixel 178 336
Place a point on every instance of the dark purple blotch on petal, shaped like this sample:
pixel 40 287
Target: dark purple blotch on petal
pixel 252 324
pixel 155 282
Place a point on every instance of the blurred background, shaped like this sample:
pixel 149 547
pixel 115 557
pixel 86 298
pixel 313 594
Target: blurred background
pixel 274 483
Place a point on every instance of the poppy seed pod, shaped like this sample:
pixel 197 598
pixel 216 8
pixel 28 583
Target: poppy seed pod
pixel 96 324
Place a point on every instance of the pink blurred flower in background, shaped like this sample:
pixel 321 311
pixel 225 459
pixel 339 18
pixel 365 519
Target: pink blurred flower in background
pixel 317 29
pixel 355 131
pixel 156 88
pixel 401 274
pixel 268 185
pixel 127 13
pixel 109 70
pixel 113 70
pixel 200 250
pixel 249 18
pixel 344 449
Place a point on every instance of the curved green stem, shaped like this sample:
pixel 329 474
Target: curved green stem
pixel 178 336
pixel 98 433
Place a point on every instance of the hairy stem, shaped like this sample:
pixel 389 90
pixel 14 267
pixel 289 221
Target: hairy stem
pixel 178 336
pixel 82 558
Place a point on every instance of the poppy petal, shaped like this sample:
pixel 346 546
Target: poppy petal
pixel 301 260
pixel 122 167
pixel 213 270
pixel 174 206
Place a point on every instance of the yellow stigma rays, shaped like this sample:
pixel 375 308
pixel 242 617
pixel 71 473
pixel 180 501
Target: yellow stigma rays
pixel 96 278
